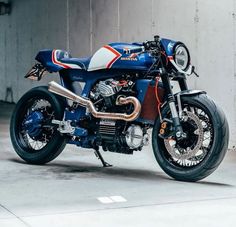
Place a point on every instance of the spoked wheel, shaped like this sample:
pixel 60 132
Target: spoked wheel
pixel 206 142
pixel 34 137
pixel 199 130
pixel 34 128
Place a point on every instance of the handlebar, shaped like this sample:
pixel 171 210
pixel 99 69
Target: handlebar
pixel 152 44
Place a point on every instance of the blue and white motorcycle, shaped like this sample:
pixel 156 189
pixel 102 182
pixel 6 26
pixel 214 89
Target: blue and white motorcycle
pixel 126 91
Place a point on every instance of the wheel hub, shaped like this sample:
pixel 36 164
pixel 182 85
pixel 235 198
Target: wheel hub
pixel 187 148
pixel 33 123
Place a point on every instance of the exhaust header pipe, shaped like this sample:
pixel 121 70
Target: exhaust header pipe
pixel 59 90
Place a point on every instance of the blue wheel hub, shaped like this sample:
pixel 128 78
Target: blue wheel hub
pixel 33 123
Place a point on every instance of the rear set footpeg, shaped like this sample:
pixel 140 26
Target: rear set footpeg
pixel 65 127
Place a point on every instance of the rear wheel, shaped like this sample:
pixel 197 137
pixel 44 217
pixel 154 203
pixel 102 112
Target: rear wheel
pixel 198 155
pixel 34 138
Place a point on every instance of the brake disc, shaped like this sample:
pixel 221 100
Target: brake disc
pixel 189 152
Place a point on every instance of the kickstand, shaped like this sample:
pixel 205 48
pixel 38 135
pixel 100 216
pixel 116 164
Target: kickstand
pixel 99 156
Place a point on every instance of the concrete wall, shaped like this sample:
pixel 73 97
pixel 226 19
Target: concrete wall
pixel 81 26
pixel 35 25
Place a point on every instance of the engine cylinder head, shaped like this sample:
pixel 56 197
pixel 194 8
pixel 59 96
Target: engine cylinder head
pixel 108 87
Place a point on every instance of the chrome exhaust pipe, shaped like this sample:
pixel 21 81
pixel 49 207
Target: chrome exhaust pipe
pixel 59 90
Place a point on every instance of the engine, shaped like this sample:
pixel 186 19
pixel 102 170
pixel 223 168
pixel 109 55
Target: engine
pixel 107 91
pixel 117 136
pixel 108 87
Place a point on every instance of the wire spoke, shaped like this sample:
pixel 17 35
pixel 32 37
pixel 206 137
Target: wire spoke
pixel 207 140
pixel 36 143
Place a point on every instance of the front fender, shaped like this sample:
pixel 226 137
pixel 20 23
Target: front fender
pixel 189 93
pixel 185 93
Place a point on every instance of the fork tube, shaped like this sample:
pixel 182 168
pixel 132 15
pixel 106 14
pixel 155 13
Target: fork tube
pixel 182 84
pixel 171 102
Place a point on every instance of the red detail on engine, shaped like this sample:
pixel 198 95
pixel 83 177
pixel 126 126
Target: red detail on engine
pixel 150 106
pixel 122 83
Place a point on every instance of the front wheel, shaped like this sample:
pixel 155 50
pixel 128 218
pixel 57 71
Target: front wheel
pixel 34 137
pixel 197 156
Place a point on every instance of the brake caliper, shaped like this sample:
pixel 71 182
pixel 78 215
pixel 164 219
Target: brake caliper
pixel 166 129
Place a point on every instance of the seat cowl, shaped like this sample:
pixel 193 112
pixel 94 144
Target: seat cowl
pixel 55 60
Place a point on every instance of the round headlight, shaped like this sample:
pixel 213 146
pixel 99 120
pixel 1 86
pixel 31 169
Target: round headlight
pixel 181 56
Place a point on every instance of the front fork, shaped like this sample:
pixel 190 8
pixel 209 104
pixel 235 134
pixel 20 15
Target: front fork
pixel 171 102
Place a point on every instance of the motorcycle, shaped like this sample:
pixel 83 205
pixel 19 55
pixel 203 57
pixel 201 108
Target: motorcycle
pixel 126 91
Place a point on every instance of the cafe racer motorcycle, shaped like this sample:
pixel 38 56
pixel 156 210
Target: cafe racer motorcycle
pixel 127 91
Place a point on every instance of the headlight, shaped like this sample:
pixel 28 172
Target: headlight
pixel 181 56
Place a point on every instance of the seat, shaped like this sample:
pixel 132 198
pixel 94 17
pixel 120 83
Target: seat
pixel 81 62
pixel 65 58
pixel 55 60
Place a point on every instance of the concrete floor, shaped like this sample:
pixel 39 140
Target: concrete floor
pixel 66 192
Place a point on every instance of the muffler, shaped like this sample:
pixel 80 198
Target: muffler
pixel 85 102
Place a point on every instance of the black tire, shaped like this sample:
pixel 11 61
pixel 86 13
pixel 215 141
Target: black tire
pixel 215 154
pixel 57 142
